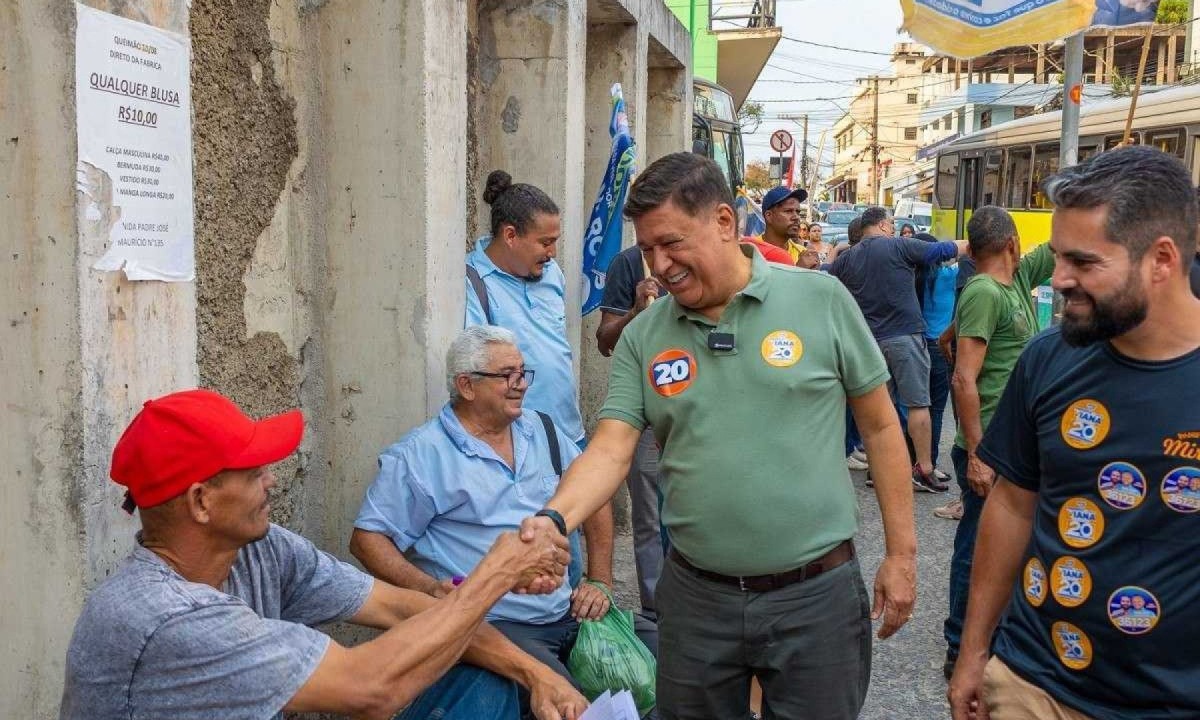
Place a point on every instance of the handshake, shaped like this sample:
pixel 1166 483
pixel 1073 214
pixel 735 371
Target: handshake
pixel 535 559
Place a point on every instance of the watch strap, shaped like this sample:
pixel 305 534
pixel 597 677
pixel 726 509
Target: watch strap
pixel 555 517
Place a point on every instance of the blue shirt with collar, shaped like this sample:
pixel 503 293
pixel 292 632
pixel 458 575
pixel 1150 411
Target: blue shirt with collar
pixel 447 495
pixel 535 312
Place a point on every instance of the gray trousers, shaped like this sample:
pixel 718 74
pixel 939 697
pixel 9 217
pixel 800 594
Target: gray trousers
pixel 809 645
pixel 643 510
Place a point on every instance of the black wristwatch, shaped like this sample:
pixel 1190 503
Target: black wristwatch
pixel 555 517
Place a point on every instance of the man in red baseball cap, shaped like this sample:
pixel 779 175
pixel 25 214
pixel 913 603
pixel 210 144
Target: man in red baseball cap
pixel 212 613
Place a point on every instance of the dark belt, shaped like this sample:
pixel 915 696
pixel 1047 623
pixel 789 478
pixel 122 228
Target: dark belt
pixel 840 555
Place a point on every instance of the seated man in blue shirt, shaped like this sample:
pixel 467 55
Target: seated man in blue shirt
pixel 451 486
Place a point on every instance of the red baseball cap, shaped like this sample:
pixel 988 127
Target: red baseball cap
pixel 190 436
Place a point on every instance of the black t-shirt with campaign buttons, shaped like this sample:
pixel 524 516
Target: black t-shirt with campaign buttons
pixel 1105 615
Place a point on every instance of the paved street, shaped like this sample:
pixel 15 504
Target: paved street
pixel 906 672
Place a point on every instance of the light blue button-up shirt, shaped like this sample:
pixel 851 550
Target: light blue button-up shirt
pixel 447 495
pixel 535 312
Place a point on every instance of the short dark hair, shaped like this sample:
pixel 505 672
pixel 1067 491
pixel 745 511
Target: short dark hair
pixel 854 230
pixel 693 182
pixel 873 216
pixel 1148 195
pixel 514 204
pixel 989 230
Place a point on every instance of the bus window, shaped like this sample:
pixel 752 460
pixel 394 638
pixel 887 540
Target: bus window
pixel 1196 160
pixel 1045 164
pixel 714 103
pixel 947 181
pixel 720 153
pixel 701 143
pixel 970 181
pixel 735 154
pixel 1169 141
pixel 1016 177
pixel 991 178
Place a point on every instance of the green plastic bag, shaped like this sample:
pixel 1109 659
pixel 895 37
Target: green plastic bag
pixel 609 656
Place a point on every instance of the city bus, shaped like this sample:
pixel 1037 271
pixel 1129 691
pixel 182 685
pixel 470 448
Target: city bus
pixel 716 132
pixel 1006 164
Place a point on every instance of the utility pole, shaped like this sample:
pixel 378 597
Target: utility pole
pixel 804 154
pixel 1068 148
pixel 875 141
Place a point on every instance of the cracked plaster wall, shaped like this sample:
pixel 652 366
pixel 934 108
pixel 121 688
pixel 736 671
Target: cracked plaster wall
pixel 245 142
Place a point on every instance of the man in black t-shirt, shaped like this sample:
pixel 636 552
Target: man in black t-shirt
pixel 628 291
pixel 1084 587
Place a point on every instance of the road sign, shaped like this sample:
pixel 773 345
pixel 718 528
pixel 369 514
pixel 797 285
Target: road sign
pixel 781 141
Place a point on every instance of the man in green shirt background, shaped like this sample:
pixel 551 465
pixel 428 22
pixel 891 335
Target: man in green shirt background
pixel 761 580
pixel 995 318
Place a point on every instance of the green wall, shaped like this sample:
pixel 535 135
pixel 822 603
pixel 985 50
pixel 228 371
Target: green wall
pixel 704 43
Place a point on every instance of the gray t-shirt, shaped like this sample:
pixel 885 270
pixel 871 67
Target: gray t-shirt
pixel 880 272
pixel 150 644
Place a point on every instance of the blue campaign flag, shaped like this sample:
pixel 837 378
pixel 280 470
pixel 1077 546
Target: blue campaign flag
pixel 604 229
pixel 749 217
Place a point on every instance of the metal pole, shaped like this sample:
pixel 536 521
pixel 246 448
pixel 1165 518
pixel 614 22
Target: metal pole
pixel 1068 148
pixel 812 183
pixel 875 144
pixel 804 155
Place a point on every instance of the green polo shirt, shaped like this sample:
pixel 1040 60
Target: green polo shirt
pixel 753 471
pixel 1004 317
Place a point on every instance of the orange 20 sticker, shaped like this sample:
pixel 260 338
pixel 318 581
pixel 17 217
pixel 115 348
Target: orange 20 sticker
pixel 672 372
pixel 1080 522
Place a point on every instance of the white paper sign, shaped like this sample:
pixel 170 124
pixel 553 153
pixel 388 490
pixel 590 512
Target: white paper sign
pixel 612 707
pixel 134 118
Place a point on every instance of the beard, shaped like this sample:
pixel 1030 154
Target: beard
pixel 1112 316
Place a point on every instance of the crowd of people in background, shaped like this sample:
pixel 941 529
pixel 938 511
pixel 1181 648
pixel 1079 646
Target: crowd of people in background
pixel 748 376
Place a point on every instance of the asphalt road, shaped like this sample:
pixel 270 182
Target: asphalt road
pixel 906 669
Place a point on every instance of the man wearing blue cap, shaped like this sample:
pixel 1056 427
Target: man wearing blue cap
pixel 781 211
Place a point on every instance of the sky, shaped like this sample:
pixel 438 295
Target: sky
pixel 798 74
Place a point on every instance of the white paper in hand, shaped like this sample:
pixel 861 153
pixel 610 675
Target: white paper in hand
pixel 612 707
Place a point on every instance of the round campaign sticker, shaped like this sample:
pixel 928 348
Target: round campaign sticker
pixel 1181 489
pixel 1122 485
pixel 1034 582
pixel 672 372
pixel 1080 522
pixel 1085 424
pixel 782 348
pixel 1133 610
pixel 1073 647
pixel 1070 581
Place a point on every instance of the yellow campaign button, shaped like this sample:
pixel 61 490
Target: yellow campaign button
pixel 782 348
pixel 1073 647
pixel 1034 582
pixel 1080 522
pixel 1071 581
pixel 1085 424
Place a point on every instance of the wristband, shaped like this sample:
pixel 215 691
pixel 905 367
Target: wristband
pixel 555 517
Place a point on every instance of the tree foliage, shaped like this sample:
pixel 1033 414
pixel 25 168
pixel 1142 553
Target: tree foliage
pixel 750 116
pixel 758 176
pixel 1172 12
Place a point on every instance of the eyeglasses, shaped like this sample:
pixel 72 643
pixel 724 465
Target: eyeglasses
pixel 513 378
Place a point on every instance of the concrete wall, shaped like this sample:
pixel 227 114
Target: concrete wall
pixel 393 119
pixel 331 144
pixel 80 351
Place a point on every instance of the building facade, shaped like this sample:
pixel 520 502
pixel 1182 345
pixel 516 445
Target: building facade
pixel 339 156
pixel 878 137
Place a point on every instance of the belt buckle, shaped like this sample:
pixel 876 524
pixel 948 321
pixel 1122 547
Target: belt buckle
pixel 742 583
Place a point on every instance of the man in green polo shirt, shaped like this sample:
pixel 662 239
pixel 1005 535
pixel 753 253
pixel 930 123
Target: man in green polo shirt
pixel 994 320
pixel 762 579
